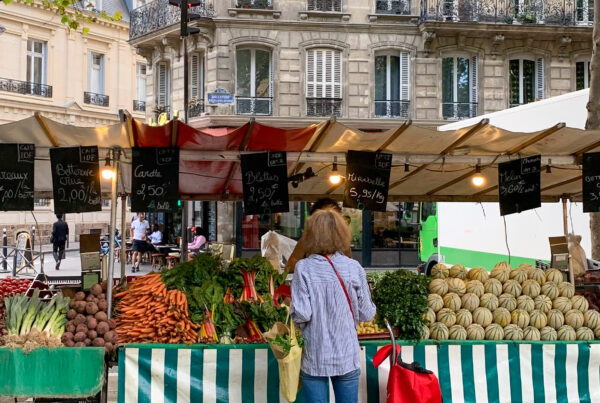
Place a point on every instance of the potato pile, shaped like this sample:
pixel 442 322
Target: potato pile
pixel 88 323
pixel 370 328
pixel 524 303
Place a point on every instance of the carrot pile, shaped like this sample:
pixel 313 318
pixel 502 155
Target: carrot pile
pixel 149 313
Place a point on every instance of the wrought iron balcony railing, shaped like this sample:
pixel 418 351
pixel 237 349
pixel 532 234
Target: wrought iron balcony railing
pixel 139 106
pixel 160 14
pixel 25 87
pixel 325 5
pixel 401 7
pixel 253 106
pixel 95 99
pixel 547 12
pixel 392 109
pixel 324 107
pixel 159 109
pixel 459 110
pixel 255 4
pixel 196 107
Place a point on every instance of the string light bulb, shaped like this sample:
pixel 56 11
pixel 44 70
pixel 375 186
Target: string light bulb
pixel 107 172
pixel 478 179
pixel 334 177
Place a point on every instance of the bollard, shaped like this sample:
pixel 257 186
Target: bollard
pixel 4 249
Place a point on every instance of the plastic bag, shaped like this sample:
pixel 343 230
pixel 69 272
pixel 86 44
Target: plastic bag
pixel 578 259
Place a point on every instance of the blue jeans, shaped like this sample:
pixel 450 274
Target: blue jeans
pixel 345 387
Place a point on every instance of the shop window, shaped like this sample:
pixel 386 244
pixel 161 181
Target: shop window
pixel 354 219
pixel 289 224
pixel 397 228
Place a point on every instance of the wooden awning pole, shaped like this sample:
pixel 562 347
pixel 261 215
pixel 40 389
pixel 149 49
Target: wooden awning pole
pixel 566 230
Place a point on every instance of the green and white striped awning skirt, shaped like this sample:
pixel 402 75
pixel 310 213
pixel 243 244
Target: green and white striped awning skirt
pixel 468 372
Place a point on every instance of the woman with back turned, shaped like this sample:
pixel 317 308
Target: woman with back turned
pixel 330 296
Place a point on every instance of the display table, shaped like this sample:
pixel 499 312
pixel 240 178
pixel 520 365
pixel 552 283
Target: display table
pixel 57 372
pixel 479 371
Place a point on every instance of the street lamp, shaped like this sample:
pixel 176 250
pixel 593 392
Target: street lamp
pixel 478 179
pixel 108 172
pixel 334 177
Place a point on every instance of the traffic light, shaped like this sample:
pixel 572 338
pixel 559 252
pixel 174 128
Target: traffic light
pixel 186 16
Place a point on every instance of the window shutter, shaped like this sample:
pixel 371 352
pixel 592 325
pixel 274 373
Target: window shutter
pixel 102 76
pixel 405 76
pixel 310 74
pixel 319 66
pixel 540 78
pixel 329 73
pixel 337 74
pixel 161 92
pixel 90 72
pixel 195 76
pixel 473 79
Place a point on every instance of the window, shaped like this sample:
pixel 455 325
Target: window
pixel 162 85
pixel 96 73
pixel 196 85
pixel 582 75
pixel 392 7
pixel 325 5
pixel 392 89
pixel 324 82
pixel 36 61
pixel 584 12
pixel 254 82
pixel 459 87
pixel 525 80
pixel 140 78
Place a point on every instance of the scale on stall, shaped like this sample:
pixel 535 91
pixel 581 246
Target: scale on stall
pixel 559 250
pixel 89 249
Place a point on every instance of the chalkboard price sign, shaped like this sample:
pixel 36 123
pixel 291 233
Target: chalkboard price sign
pixel 75 179
pixel 264 182
pixel 155 179
pixel 591 182
pixel 367 180
pixel 519 185
pixel 16 177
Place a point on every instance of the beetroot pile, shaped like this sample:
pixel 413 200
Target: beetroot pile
pixel 88 323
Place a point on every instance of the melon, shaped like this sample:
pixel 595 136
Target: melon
pixel 458 271
pixel 446 316
pixel 518 275
pixel 501 316
pixel 597 332
pixel 482 316
pixel 538 319
pixel 531 333
pixel 531 288
pixel 489 301
pixel 566 289
pixel 520 318
pixel 456 286
pixel 548 334
pixel 513 332
pixel 475 332
pixel 525 302
pixel 429 316
pixel 512 287
pixel 475 287
pixel 543 303
pixel 493 286
pixel 584 333
pixel 494 332
pixel 470 301
pixel 550 289
pixel 435 302
pixel 452 301
pixel 574 318
pixel 579 302
pixel 464 318
pixel 525 266
pixel 457 332
pixel 566 333
pixel 591 318
pixel 507 301
pixel 554 276
pixel 555 318
pixel 424 332
pixel 438 331
pixel 537 275
pixel 439 271
pixel 438 286
pixel 501 272
pixel 479 274
pixel 563 304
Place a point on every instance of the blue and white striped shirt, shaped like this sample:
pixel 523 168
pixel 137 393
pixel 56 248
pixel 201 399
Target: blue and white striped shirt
pixel 320 309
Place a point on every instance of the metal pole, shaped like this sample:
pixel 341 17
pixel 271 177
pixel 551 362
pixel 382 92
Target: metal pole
pixel 4 250
pixel 113 223
pixel 123 230
pixel 184 203
pixel 565 220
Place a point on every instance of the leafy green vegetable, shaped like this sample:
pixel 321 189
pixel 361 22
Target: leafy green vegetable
pixel 266 314
pixel 286 342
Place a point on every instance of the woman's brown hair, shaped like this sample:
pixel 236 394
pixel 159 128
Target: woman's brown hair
pixel 326 233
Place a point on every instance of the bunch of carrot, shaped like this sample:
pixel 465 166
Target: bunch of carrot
pixel 149 313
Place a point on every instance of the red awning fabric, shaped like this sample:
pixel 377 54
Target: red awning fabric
pixel 152 136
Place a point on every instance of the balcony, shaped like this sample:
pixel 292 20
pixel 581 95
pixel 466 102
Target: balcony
pixel 195 107
pixel 255 4
pixel 324 107
pixel 392 109
pixel 95 99
pixel 160 14
pixel 139 106
pixel 392 7
pixel 459 110
pixel 160 109
pixel 253 106
pixel 521 12
pixel 325 5
pixel 25 88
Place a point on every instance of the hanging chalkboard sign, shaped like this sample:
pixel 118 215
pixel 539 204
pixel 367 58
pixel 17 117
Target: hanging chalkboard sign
pixel 591 182
pixel 16 176
pixel 154 179
pixel 519 185
pixel 75 179
pixel 367 180
pixel 264 182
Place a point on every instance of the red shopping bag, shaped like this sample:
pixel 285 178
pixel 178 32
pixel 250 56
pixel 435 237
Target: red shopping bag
pixel 408 383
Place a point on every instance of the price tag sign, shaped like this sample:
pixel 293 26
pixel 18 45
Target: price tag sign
pixel 264 182
pixel 16 177
pixel 519 185
pixel 591 182
pixel 75 179
pixel 367 180
pixel 154 179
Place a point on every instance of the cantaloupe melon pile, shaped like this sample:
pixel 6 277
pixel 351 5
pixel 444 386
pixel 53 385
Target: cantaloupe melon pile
pixel 524 303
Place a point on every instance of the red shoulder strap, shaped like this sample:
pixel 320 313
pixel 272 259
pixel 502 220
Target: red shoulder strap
pixel 342 283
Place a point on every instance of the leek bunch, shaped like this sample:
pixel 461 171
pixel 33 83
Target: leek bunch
pixel 24 314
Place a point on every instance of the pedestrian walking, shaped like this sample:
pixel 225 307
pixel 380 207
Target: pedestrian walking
pixel 58 239
pixel 139 230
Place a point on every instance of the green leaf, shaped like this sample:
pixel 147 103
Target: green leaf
pixel 85 30
pixel 118 16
